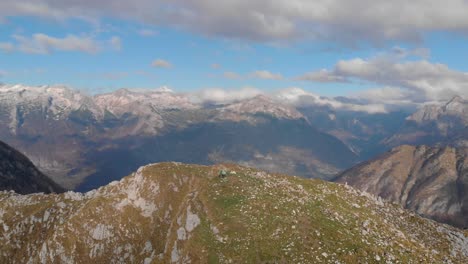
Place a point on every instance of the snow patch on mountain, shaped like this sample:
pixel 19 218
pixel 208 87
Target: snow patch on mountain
pixel 259 104
pixel 142 102
pixel 457 107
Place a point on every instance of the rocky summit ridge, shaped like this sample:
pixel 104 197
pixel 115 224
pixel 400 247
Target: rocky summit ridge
pixel 179 213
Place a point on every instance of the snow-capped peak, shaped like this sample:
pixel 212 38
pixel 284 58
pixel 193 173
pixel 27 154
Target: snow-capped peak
pixel 293 95
pixel 457 107
pixel 141 101
pixel 164 89
pixel 58 99
pixel 263 104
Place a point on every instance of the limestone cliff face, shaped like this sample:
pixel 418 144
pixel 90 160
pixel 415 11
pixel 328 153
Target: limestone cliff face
pixel 432 181
pixel 177 213
pixel 17 173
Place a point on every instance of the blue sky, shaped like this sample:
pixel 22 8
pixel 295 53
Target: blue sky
pixel 105 49
pixel 197 61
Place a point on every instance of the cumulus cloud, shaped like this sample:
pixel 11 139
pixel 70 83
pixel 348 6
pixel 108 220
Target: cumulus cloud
pixel 223 96
pixel 299 98
pixel 116 43
pixel 231 75
pixel 294 96
pixel 145 32
pixel 7 47
pixel 424 53
pixel 323 76
pixel 418 80
pixel 263 74
pixel 160 63
pixel 44 44
pixel 344 21
pixel 216 66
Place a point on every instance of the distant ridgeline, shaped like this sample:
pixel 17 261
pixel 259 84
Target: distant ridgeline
pixel 83 142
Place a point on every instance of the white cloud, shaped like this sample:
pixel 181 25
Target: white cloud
pixel 293 96
pixel 419 80
pixel 348 22
pixel 145 32
pixel 424 53
pixel 116 43
pixel 323 76
pixel 7 47
pixel 223 96
pixel 160 63
pixel 164 89
pixel 231 75
pixel 44 44
pixel 300 98
pixel 263 74
pixel 216 66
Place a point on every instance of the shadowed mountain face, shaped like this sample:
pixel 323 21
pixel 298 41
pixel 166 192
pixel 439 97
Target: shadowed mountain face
pixel 85 142
pixel 432 181
pixel 19 174
pixel 176 213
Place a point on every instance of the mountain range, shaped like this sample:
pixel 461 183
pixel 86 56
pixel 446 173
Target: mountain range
pixel 179 213
pixel 84 142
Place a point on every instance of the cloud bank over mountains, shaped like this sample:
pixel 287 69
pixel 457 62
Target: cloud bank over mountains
pixel 293 96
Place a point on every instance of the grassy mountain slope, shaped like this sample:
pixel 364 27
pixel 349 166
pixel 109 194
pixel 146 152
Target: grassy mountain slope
pixel 172 212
